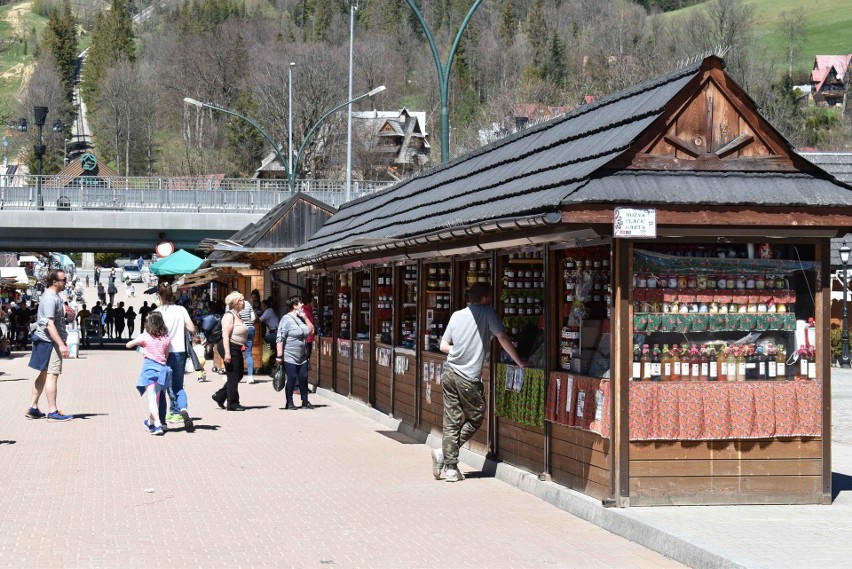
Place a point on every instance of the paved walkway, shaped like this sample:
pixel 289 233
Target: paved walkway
pixel 262 488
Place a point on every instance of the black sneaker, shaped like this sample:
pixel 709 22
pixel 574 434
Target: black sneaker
pixel 219 402
pixel 291 407
pixel 34 413
pixel 187 421
pixel 307 405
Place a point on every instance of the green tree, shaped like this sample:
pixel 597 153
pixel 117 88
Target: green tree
pixel 554 69
pixel 245 141
pixel 536 31
pixel 508 22
pixel 112 41
pixel 60 39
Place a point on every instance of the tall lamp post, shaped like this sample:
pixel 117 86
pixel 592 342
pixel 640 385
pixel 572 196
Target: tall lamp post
pixel 444 71
pixel 353 5
pixel 39 149
pixel 844 337
pixel 290 119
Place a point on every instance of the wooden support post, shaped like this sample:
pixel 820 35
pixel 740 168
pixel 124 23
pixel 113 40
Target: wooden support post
pixel 822 311
pixel 622 266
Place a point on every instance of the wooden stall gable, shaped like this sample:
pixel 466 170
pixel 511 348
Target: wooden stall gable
pixel 520 445
pixel 580 460
pixel 404 387
pixel 771 471
pixel 383 375
pixel 361 371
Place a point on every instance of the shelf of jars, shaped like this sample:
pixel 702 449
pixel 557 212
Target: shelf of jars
pixel 437 304
pixel 586 298
pixel 475 271
pixel 384 305
pixel 407 336
pixel 344 291
pixel 327 318
pixel 363 308
pixel 522 298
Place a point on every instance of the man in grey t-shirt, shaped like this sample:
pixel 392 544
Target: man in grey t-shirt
pixel 467 340
pixel 49 347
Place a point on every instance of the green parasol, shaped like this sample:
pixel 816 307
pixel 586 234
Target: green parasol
pixel 178 263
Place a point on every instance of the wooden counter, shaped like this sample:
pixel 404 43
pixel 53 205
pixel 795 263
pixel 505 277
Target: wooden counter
pixel 361 358
pixel 341 368
pixel 383 376
pixel 405 384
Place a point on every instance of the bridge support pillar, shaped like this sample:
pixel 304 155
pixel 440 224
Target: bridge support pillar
pixel 88 262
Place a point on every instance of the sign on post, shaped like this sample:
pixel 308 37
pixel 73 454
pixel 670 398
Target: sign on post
pixel 635 223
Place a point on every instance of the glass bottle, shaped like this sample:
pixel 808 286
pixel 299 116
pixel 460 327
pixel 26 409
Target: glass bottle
pixel 667 364
pixel 751 364
pixel 694 364
pixel 713 370
pixel 722 360
pixel 646 363
pixel 804 365
pixel 637 363
pixel 732 363
pixel 675 363
pixel 656 364
pixel 741 364
pixel 684 362
pixel 780 363
pixel 705 364
pixel 812 370
pixel 761 363
pixel 771 362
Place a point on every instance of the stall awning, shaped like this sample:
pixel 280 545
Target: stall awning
pixel 15 275
pixel 27 259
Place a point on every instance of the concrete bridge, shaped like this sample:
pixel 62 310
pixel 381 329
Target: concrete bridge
pixel 129 214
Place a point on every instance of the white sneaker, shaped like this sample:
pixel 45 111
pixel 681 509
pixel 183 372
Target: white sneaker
pixel 251 379
pixel 437 463
pixel 454 475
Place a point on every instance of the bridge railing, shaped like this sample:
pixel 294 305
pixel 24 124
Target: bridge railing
pixel 178 194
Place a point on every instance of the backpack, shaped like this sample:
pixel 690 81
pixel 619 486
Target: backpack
pixel 211 325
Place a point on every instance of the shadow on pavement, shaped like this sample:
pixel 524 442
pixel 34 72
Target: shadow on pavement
pixel 253 407
pixel 399 437
pixel 7 442
pixel 198 427
pixel 840 483
pixel 15 379
pixel 88 415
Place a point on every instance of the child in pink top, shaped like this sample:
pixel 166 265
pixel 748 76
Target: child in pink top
pixel 155 374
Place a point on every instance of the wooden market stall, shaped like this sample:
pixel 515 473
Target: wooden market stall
pixel 659 256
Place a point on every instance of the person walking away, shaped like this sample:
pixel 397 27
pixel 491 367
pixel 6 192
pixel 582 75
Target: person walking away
pixel 230 348
pixel 249 318
pixel 143 313
pixel 155 373
pixel 132 290
pixel 293 332
pixel 467 341
pixel 177 322
pixel 97 275
pixel 130 316
pixel 101 293
pixel 111 290
pixel 200 353
pixel 49 348
pixel 87 281
pixel 81 319
pixel 109 322
pixel 119 318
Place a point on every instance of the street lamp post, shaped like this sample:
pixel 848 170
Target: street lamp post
pixel 290 119
pixel 353 5
pixel 200 105
pixel 39 149
pixel 444 71
pixel 375 91
pixel 844 336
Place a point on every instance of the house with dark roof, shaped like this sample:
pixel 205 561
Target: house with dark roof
pixel 828 79
pixel 679 180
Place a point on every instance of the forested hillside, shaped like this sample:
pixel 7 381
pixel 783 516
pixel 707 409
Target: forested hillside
pixel 236 54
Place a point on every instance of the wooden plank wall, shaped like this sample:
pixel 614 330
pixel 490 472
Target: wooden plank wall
pixel 313 363
pixel 403 389
pixel 341 374
pixel 361 371
pixel 383 375
pixel 580 460
pixel 775 471
pixel 479 442
pixel 520 445
pixel 324 350
pixel 431 414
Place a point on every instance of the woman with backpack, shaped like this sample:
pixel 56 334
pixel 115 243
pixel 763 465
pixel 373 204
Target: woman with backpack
pixel 178 323
pixel 230 347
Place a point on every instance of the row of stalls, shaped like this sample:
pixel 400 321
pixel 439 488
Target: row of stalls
pixel 660 256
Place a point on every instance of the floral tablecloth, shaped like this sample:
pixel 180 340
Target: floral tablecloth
pixel 725 410
pixel 579 401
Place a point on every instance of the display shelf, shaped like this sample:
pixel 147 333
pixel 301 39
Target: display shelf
pixel 682 323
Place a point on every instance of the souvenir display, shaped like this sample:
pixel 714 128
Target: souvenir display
pixel 384 304
pixel 586 296
pixel 438 307
pixel 408 322
pixel 343 295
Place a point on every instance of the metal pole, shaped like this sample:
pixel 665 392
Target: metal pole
pixel 349 109
pixel 844 360
pixel 39 155
pixel 444 72
pixel 290 121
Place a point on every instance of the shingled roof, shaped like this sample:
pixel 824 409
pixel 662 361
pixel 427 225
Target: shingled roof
pixel 546 168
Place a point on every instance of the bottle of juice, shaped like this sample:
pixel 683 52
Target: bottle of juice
pixel 636 375
pixel 667 363
pixel 646 363
pixel 722 360
pixel 732 363
pixel 713 370
pixel 705 364
pixel 780 363
pixel 694 364
pixel 741 364
pixel 812 371
pixel 675 363
pixel 656 364
pixel 684 362
pixel 751 364
pixel 771 362
pixel 804 364
pixel 761 363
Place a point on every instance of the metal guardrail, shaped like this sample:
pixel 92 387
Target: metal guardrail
pixel 181 194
